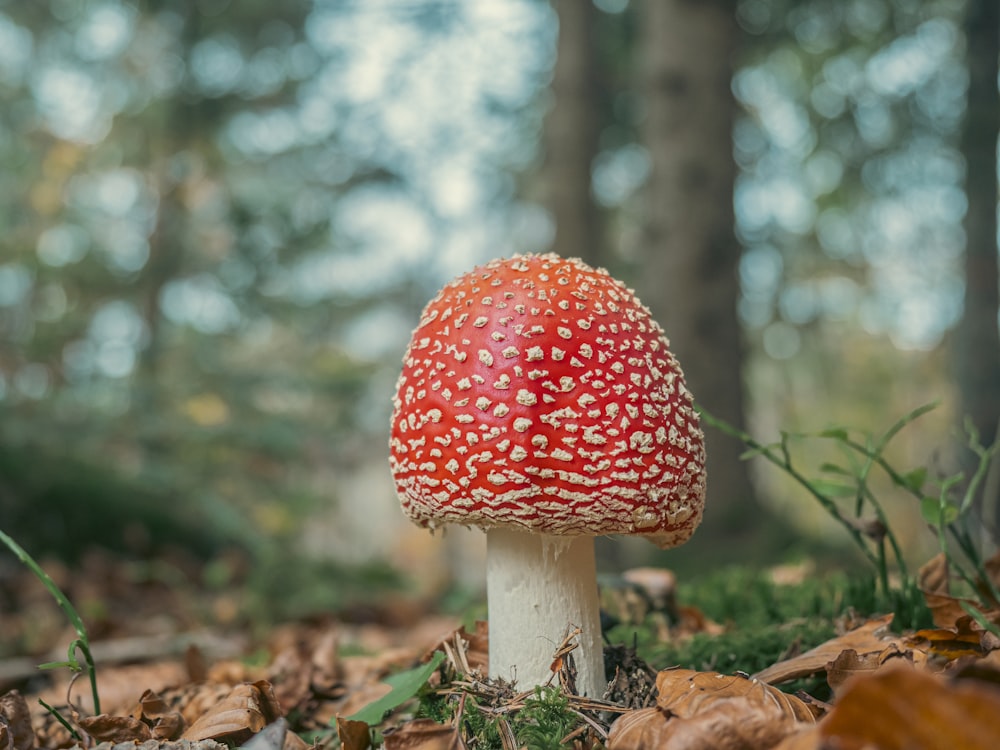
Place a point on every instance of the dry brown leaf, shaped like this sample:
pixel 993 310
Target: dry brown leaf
pixel 730 723
pixel 904 709
pixel 304 662
pixel 933 582
pixel 16 732
pixel 963 638
pixel 423 734
pixel 871 636
pixel 685 692
pixel 985 669
pixel 803 738
pixel 326 660
pixel 163 723
pixel 691 621
pixel 851 664
pixel 116 685
pixel 167 727
pixel 115 729
pixel 246 710
pixel 353 735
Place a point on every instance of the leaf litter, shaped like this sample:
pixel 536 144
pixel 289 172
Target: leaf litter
pixel 326 682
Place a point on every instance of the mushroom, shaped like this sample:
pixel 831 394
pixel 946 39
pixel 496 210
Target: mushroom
pixel 540 401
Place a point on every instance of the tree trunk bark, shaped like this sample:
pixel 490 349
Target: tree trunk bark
pixel 977 340
pixel 572 129
pixel 690 272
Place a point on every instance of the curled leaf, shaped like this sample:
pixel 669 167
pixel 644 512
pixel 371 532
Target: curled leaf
pixel 685 692
pixel 246 710
pixel 964 638
pixel 16 732
pixel 353 735
pixel 898 709
pixel 947 610
pixel 731 723
pixel 850 664
pixel 871 636
pixel 423 734
pixel 163 723
pixel 115 729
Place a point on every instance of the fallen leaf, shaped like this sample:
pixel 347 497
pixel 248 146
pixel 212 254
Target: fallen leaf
pixel 850 664
pixel 246 710
pixel 15 722
pixel 985 669
pixel 117 685
pixel 163 723
pixel 904 709
pixel 871 636
pixel 932 578
pixel 115 729
pixel 803 738
pixel 685 692
pixel 423 734
pixel 963 638
pixel 730 723
pixel 353 735
pixel 691 620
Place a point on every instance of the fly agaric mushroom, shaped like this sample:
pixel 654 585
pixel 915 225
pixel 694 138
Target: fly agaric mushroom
pixel 540 401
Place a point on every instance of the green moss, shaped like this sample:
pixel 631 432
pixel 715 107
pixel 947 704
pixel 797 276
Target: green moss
pixel 541 723
pixel 747 598
pixel 747 650
pixel 764 622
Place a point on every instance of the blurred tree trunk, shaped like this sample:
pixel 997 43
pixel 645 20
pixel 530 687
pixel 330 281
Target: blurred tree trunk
pixel 572 129
pixel 977 340
pixel 690 270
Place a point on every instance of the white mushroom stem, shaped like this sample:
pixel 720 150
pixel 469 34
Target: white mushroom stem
pixel 538 588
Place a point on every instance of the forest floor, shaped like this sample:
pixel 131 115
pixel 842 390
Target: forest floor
pixel 783 658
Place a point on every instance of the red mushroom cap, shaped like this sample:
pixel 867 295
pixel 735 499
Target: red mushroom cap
pixel 539 393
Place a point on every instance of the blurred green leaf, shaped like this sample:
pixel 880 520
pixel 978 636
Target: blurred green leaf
pixel 833 489
pixel 835 433
pixel 915 479
pixel 835 469
pixel 937 514
pixel 405 685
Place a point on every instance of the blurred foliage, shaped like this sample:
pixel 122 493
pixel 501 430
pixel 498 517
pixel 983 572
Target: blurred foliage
pixel 212 231
pixel 220 220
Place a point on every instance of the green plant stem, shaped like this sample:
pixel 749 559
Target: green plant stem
pixel 945 514
pixel 84 646
pixel 980 618
pixel 59 717
pixel 864 493
pixel 786 464
pixel 897 550
pixel 82 642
